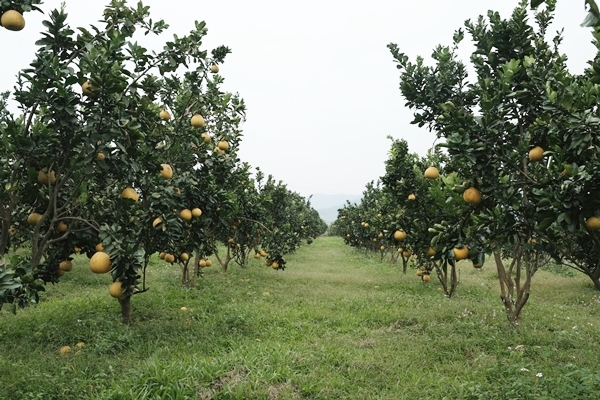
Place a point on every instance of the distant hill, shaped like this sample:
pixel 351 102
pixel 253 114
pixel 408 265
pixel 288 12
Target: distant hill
pixel 328 204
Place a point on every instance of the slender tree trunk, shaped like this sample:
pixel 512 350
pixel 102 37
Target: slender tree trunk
pixel 506 286
pixel 453 279
pixel 225 262
pixel 185 274
pixel 196 268
pixel 515 293
pixel 449 281
pixel 395 256
pixel 6 216
pixel 442 272
pixel 4 236
pixel 126 309
pixel 594 275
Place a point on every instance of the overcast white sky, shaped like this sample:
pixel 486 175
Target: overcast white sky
pixel 319 83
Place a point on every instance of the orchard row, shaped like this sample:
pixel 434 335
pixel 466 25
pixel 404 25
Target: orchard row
pixel 516 173
pixel 120 152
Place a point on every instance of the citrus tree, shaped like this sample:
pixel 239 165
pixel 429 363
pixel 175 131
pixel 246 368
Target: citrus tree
pixel 568 212
pixel 110 139
pixel 568 209
pixel 239 234
pixel 488 126
pixel 432 225
pixel 405 184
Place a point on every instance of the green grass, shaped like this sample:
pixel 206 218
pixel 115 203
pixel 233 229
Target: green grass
pixel 336 324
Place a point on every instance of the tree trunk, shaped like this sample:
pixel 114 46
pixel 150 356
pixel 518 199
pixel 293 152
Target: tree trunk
pixel 515 293
pixel 594 279
pixel 4 236
pixel 225 262
pixel 126 309
pixel 196 268
pixel 185 275
pixel 395 256
pixel 453 280
pixel 595 276
pixel 506 287
pixel 449 283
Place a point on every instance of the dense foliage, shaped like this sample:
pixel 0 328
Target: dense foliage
pixel 121 152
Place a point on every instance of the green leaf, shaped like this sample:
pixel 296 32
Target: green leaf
pixel 593 7
pixel 545 224
pixel 536 3
pixel 590 20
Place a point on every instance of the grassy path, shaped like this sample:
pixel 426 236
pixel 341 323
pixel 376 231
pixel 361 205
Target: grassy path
pixel 337 324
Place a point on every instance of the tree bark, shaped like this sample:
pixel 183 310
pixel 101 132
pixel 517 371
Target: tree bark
pixel 449 283
pixel 126 309
pixel 196 268
pixel 595 276
pixel 224 263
